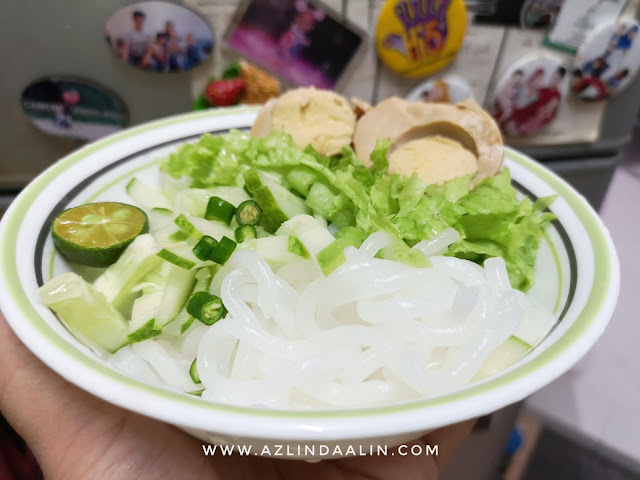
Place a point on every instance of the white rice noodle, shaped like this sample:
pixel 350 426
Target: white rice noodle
pixel 374 331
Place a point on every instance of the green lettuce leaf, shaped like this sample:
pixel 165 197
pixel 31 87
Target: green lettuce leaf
pixel 492 218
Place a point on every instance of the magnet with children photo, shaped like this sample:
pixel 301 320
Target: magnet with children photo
pixel 529 95
pixel 159 37
pixel 301 41
pixel 607 61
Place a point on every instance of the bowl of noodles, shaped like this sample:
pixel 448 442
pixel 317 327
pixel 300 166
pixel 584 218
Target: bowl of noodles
pixel 317 328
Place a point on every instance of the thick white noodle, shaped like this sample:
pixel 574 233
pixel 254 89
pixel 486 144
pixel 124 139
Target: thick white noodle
pixel 372 332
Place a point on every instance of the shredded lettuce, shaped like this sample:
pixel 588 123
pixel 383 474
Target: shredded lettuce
pixel 492 219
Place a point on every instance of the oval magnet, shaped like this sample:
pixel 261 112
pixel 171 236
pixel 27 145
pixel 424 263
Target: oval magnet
pixel 607 61
pixel 447 89
pixel 418 38
pixel 159 37
pixel 529 94
pixel 74 108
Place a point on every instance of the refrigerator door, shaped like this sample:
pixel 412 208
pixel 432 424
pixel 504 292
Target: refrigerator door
pixel 41 39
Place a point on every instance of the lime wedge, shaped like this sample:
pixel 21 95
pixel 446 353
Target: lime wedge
pixel 96 234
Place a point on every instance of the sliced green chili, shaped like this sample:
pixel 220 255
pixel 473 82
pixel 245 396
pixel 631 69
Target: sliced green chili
pixel 206 307
pixel 219 209
pixel 204 247
pixel 248 213
pixel 245 232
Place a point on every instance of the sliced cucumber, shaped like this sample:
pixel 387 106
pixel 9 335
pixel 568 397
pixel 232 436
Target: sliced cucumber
pixel 187 227
pixel 146 196
pixel 313 235
pixel 117 281
pixel 193 372
pixel 194 200
pixel 184 320
pixel 274 250
pixel 85 312
pixel 301 178
pixel 331 257
pixel 535 325
pixel 322 200
pixel 181 255
pixel 512 350
pixel 295 246
pixel 277 203
pixel 168 295
pixel 212 228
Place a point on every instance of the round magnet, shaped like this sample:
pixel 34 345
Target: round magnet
pixel 607 61
pixel 529 94
pixel 448 89
pixel 539 13
pixel 74 108
pixel 416 38
pixel 159 37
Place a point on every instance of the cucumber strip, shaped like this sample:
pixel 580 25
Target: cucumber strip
pixel 295 246
pixel 187 227
pixel 274 250
pixel 181 255
pixel 145 332
pixel 313 235
pixel 179 285
pixel 331 257
pixel 162 211
pixel 179 236
pixel 176 259
pixel 277 203
pixel 512 350
pixel 85 312
pixel 322 200
pixel 193 372
pixel 196 393
pixel 301 178
pixel 194 200
pixel 146 196
pixel 184 320
pixel 214 229
pixel 117 281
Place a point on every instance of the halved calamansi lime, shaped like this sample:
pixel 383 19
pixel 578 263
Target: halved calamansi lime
pixel 96 234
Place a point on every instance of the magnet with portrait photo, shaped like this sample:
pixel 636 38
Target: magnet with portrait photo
pixel 73 108
pixel 607 61
pixel 159 37
pixel 529 95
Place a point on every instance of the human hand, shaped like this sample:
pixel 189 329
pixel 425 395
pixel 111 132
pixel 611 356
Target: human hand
pixel 75 435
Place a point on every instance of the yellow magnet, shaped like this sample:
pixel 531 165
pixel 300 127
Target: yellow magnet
pixel 416 38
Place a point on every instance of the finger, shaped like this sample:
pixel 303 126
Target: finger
pixel 449 439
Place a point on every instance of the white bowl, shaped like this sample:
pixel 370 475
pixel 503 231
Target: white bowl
pixel 577 271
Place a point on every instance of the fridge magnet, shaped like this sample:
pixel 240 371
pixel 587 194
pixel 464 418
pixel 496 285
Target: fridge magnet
pixel 241 82
pixel 539 13
pixel 528 96
pixel 73 108
pixel 159 37
pixel 607 61
pixel 577 18
pixel 448 89
pixel 524 13
pixel 302 42
pixel 418 38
